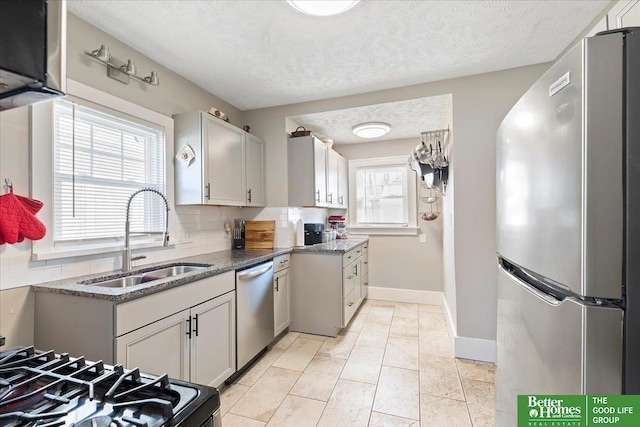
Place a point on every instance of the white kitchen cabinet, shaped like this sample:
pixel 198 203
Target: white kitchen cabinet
pixel 332 178
pixel 307 161
pixel 254 166
pixel 228 163
pixel 327 290
pixel 166 337
pixel 281 294
pixel 213 341
pixel 135 332
pixel 343 183
pixel 197 344
pixel 314 174
pixel 624 14
pixel 364 280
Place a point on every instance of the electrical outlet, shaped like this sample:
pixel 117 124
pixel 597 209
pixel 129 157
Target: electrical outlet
pixel 186 237
pixel 422 238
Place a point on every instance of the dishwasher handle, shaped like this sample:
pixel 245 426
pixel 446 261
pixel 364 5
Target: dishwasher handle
pixel 255 273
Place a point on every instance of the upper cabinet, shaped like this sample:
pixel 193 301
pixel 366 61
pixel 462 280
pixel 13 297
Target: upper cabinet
pixel 254 165
pixel 314 174
pixel 217 164
pixel 343 183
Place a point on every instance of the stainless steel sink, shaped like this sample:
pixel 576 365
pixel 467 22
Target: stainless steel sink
pixel 121 282
pixel 137 278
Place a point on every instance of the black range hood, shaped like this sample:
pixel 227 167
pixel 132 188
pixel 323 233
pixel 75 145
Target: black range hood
pixel 32 51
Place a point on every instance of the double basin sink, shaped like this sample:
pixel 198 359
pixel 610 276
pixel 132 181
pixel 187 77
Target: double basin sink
pixel 137 278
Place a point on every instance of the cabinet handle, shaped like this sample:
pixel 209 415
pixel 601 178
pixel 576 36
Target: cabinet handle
pixel 341 199
pixel 349 257
pixel 330 198
pixel 350 304
pixel 195 319
pixel 356 270
pixel 189 327
pixel 284 261
pixel 208 195
pixel 366 262
pixel 349 277
pixel 318 196
pixel 277 279
pixel 249 195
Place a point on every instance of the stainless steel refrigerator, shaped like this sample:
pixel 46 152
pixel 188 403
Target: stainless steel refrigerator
pixel 568 228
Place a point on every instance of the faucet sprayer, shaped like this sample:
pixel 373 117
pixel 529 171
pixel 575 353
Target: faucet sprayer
pixel 126 252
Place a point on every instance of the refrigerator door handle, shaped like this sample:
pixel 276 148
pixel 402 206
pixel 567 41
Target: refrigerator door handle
pixel 549 299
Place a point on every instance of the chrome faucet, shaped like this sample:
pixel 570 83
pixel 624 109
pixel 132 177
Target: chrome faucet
pixel 126 252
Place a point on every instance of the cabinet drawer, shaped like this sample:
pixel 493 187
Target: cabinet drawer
pixel 365 265
pixel 349 306
pixel 348 279
pixel 365 248
pixel 281 262
pixel 351 256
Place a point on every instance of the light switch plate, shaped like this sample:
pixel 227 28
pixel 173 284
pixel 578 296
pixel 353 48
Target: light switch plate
pixel 423 238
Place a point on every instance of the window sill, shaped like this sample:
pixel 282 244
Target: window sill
pixel 384 231
pixel 87 250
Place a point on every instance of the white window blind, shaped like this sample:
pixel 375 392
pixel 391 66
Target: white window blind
pixel 381 195
pixel 100 159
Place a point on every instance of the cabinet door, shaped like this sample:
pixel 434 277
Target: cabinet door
pixel 281 301
pixel 213 340
pixel 161 347
pixel 332 178
pixel 625 14
pixel 320 171
pixel 343 183
pixel 225 174
pixel 254 165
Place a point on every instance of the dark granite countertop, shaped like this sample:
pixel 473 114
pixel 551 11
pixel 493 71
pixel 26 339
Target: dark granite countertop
pixel 335 246
pixel 221 261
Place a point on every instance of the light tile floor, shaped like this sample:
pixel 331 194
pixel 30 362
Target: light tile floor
pixel 393 365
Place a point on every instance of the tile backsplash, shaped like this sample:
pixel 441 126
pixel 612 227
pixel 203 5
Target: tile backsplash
pixel 194 230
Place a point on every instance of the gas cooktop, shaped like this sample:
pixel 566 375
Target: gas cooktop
pixel 44 389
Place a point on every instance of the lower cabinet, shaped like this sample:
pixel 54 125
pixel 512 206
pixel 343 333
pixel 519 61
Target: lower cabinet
pixel 195 345
pixel 281 294
pixel 327 290
pixel 188 332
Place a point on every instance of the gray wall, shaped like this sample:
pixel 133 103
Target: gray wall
pixel 479 104
pixel 401 261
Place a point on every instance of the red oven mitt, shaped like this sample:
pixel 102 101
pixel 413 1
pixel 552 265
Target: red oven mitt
pixel 17 222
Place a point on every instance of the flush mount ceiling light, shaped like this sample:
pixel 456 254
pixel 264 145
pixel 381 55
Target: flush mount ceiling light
pixel 371 129
pixel 322 8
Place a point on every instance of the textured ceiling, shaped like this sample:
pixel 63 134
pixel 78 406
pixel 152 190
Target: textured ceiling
pixel 407 119
pixel 263 53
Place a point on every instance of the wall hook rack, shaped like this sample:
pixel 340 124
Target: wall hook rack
pixel 120 70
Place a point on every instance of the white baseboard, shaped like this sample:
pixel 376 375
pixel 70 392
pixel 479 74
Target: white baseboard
pixel 406 295
pixel 475 349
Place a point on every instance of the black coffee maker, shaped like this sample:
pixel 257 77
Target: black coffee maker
pixel 313 233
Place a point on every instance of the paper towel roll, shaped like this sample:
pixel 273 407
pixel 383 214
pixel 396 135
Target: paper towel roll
pixel 299 233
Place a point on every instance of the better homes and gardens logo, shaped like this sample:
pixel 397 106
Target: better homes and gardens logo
pixel 578 410
pixel 550 411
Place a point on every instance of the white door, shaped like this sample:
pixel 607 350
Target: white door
pixel 320 170
pixel 281 301
pixel 213 341
pixel 158 348
pixel 254 164
pixel 332 178
pixel 225 163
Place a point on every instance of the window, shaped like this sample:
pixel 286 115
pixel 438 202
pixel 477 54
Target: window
pixel 382 196
pixel 99 158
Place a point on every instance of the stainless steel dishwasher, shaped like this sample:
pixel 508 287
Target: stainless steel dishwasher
pixel 254 311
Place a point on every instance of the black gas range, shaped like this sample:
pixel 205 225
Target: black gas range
pixel 44 389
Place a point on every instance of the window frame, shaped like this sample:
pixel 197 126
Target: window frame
pixel 42 168
pixel 411 228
